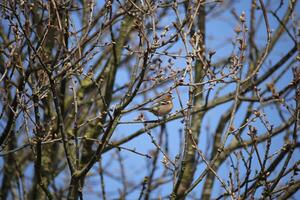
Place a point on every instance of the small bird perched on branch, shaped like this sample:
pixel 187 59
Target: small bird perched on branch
pixel 162 106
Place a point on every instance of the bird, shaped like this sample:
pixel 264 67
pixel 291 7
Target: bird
pixel 162 106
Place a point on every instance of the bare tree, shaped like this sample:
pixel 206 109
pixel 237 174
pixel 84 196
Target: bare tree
pixel 74 76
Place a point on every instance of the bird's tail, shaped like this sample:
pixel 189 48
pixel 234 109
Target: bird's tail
pixel 145 109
